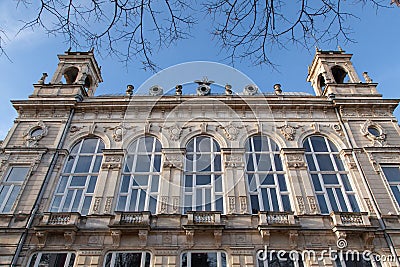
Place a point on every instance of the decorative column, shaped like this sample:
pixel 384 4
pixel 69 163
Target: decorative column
pixel 234 181
pixel 299 181
pixel 171 181
pixel 107 182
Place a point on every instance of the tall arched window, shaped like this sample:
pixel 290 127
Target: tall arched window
pixel 331 182
pixel 203 187
pixel 75 189
pixel 138 189
pixel 265 176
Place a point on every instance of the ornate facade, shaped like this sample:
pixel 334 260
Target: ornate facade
pixel 201 180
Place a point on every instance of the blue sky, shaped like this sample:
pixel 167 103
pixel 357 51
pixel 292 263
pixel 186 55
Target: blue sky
pixel 33 53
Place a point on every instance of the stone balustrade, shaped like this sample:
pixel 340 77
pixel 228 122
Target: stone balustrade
pixel 204 217
pixel 132 218
pixel 276 218
pixel 60 218
pixel 350 218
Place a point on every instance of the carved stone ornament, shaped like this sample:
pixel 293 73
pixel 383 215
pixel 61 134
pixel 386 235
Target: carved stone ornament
pixel 75 129
pixel 119 131
pixel 174 132
pixel 288 131
pixel 300 204
pixel 35 133
pixel 374 132
pixel 231 131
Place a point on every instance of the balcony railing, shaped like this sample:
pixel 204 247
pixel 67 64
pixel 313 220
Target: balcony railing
pixel 350 218
pixel 204 218
pixel 132 218
pixel 60 218
pixel 276 218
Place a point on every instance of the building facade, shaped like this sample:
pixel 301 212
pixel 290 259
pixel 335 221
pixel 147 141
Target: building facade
pixel 229 179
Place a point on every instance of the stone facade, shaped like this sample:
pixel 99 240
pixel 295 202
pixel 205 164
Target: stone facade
pixel 352 115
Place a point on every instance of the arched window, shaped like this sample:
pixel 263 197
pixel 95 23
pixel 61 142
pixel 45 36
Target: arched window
pixel 331 182
pixel 265 176
pixel 203 187
pixel 138 189
pixel 75 189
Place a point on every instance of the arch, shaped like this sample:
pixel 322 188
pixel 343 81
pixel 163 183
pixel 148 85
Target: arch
pixel 276 138
pixel 88 82
pixel 221 140
pixel 78 137
pixel 331 135
pixel 321 82
pixel 339 73
pixel 128 139
pixel 70 74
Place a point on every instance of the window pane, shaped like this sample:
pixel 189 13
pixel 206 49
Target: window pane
pixel 219 205
pixel 319 144
pixel 62 184
pixel 324 162
pixel 341 199
pixel 204 163
pixel 92 184
pixel 252 182
pixel 278 163
pixel 258 144
pixel 69 164
pixel 310 163
pixel 203 179
pixel 11 199
pixel 132 206
pixel 142 164
pixel 203 144
pixel 255 207
pixel 396 193
pixel 188 203
pixel 217 163
pixel 141 180
pixel 274 199
pixel 264 162
pixel 265 199
pixel 346 182
pixel 286 203
pixel 152 205
pixel 56 204
pixel 3 192
pixel 17 174
pixel 250 165
pixel 83 164
pixel 188 182
pixel 316 183
pixel 154 183
pixel 128 163
pixel 128 259
pixel 332 200
pixel 332 146
pixel 142 200
pixel 207 199
pixel 121 203
pixel 78 181
pixel 125 184
pixel 77 200
pixel 199 199
pixel 353 203
pixel 86 205
pixel 392 174
pixel 97 164
pixel 189 162
pixel 101 147
pixel 330 179
pixel 322 204
pixel 339 162
pixel 89 145
pixel 218 183
pixel 267 179
pixel 306 145
pixel 157 163
pixel 68 200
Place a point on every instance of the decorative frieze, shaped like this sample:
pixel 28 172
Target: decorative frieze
pixel 294 157
pixel 300 204
pixel 173 158
pixel 312 204
pixel 112 159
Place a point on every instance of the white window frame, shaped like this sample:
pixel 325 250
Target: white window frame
pixel 39 256
pixel 142 260
pixel 12 185
pixel 70 176
pixel 189 257
pixel 151 174
pixel 192 193
pixel 271 153
pixel 338 173
pixel 390 184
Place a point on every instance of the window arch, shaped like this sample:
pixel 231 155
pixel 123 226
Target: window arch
pixel 203 187
pixel 76 186
pixel 330 180
pixel 265 176
pixel 139 184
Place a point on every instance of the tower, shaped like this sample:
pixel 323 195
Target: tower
pixel 77 73
pixel 332 72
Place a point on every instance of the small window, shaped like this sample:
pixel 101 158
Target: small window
pixel 44 259
pixel 339 74
pixel 70 75
pixel 37 132
pixel 10 187
pixel 392 174
pixel 280 258
pixel 127 259
pixel 374 131
pixel 204 259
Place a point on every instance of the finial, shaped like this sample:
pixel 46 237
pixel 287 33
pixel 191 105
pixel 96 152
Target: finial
pixel 366 77
pixel 228 89
pixel 43 78
pixel 339 48
pixel 277 89
pixel 178 89
pixel 316 49
pixel 129 89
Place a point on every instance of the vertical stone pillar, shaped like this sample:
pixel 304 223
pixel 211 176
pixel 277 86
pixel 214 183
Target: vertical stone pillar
pixel 299 181
pixel 234 183
pixel 171 181
pixel 108 181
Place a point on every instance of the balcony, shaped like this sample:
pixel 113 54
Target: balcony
pixel 60 220
pixel 204 219
pixel 276 219
pixel 131 220
pixel 350 219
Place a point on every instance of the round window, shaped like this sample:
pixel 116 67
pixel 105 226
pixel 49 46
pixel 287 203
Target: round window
pixel 37 132
pixel 374 131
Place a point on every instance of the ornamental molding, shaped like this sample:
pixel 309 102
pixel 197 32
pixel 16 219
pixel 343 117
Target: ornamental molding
pixel 380 139
pixel 288 131
pixel 31 138
pixel 174 131
pixel 231 131
pixel 119 131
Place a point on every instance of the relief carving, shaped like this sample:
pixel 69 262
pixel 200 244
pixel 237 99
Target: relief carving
pixel 232 204
pixel 374 132
pixel 288 131
pixel 300 204
pixel 174 131
pixel 119 131
pixel 35 133
pixel 312 203
pixel 243 204
pixel 107 206
pixel 231 131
